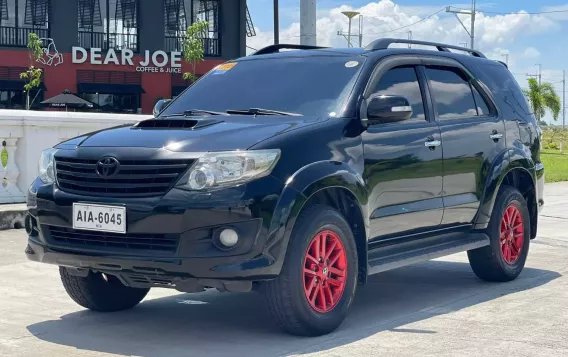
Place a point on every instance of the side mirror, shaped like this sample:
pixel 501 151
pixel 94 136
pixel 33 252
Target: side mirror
pixel 160 106
pixel 388 109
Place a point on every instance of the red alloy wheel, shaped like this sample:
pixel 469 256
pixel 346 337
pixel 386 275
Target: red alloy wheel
pixel 325 271
pixel 512 235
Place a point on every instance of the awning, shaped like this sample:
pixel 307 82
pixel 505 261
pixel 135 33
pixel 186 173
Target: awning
pixel 106 88
pixel 14 84
pixel 176 90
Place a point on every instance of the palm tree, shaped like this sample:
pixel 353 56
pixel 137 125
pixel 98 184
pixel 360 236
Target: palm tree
pixel 543 97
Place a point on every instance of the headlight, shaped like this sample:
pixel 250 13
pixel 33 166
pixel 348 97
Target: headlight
pixel 230 168
pixel 47 166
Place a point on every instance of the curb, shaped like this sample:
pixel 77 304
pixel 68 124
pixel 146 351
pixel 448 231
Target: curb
pixel 12 216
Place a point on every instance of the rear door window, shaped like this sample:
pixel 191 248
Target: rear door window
pixel 452 93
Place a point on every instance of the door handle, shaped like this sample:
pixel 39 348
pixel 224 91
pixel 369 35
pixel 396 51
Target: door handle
pixel 432 143
pixel 496 136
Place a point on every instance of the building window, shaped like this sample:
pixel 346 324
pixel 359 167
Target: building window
pixel 107 24
pixel 12 93
pixel 12 99
pixel 179 14
pixel 19 18
pixel 111 91
pixel 16 99
pixel 113 103
pixel 179 84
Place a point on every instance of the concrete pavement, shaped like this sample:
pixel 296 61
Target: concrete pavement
pixel 437 308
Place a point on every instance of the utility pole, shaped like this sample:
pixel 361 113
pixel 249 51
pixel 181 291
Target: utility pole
pixel 472 23
pixel 410 38
pixel 538 75
pixel 506 59
pixel 276 24
pixel 308 35
pixel 563 108
pixel 361 31
pixel 471 31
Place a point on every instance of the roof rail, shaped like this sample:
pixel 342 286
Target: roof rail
pixel 504 64
pixel 276 48
pixel 384 43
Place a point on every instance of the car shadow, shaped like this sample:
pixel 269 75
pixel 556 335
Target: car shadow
pixel 220 324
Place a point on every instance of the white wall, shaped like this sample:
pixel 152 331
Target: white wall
pixel 28 133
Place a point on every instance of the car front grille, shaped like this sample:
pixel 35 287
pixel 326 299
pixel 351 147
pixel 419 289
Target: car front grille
pixel 135 178
pixel 114 241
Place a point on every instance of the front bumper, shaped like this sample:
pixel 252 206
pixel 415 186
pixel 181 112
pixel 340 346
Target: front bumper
pixel 192 219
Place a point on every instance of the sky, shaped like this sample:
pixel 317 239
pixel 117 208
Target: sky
pixel 502 27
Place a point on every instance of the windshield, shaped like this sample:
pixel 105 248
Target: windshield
pixel 307 86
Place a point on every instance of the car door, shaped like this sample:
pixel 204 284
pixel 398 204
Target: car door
pixel 472 137
pixel 403 160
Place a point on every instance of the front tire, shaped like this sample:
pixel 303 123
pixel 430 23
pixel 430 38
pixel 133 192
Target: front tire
pixel 509 232
pixel 316 286
pixel 103 293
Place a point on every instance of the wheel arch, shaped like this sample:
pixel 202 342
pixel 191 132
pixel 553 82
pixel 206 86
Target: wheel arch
pixel 331 183
pixel 512 168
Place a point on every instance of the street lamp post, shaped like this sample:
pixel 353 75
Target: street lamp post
pixel 350 15
pixel 276 24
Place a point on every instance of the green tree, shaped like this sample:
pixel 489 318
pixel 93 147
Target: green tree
pixel 542 97
pixel 193 47
pixel 32 76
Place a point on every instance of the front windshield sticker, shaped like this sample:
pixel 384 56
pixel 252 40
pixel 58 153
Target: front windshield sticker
pixel 351 64
pixel 224 68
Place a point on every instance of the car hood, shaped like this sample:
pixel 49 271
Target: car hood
pixel 215 133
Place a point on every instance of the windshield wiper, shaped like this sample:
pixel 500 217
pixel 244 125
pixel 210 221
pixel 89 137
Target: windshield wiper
pixel 195 112
pixel 260 111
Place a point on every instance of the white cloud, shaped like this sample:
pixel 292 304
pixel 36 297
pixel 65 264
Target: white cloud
pixel 383 17
pixel 446 93
pixel 559 15
pixel 531 52
pixel 497 53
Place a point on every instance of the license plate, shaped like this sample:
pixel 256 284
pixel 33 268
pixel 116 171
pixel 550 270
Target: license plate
pixel 99 218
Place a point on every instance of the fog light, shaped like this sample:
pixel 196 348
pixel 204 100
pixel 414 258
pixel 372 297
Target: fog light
pixel 30 224
pixel 229 238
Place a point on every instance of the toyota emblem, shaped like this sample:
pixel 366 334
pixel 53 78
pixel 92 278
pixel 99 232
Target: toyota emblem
pixel 108 167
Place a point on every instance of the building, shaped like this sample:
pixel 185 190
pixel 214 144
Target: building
pixel 122 55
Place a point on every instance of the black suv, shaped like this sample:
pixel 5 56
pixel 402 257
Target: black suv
pixel 297 174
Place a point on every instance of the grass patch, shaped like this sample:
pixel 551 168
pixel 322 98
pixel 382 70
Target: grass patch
pixel 555 165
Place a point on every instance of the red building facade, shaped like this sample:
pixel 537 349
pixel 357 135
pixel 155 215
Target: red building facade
pixel 121 55
pixel 90 80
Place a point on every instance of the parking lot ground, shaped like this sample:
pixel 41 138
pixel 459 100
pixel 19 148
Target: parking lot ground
pixel 438 308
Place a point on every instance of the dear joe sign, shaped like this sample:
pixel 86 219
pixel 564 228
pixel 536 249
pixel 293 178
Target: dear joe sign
pixel 158 61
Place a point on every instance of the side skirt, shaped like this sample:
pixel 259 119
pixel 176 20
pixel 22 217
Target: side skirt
pixel 395 254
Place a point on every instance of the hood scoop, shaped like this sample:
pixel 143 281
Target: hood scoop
pixel 176 123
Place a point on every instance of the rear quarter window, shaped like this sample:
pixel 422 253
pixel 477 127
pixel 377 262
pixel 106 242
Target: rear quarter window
pixel 502 84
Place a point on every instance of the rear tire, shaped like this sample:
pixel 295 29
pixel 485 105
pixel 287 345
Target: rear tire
pixel 96 293
pixel 311 297
pixel 509 233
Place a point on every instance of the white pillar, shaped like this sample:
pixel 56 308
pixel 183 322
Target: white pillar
pixel 9 191
pixel 308 22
